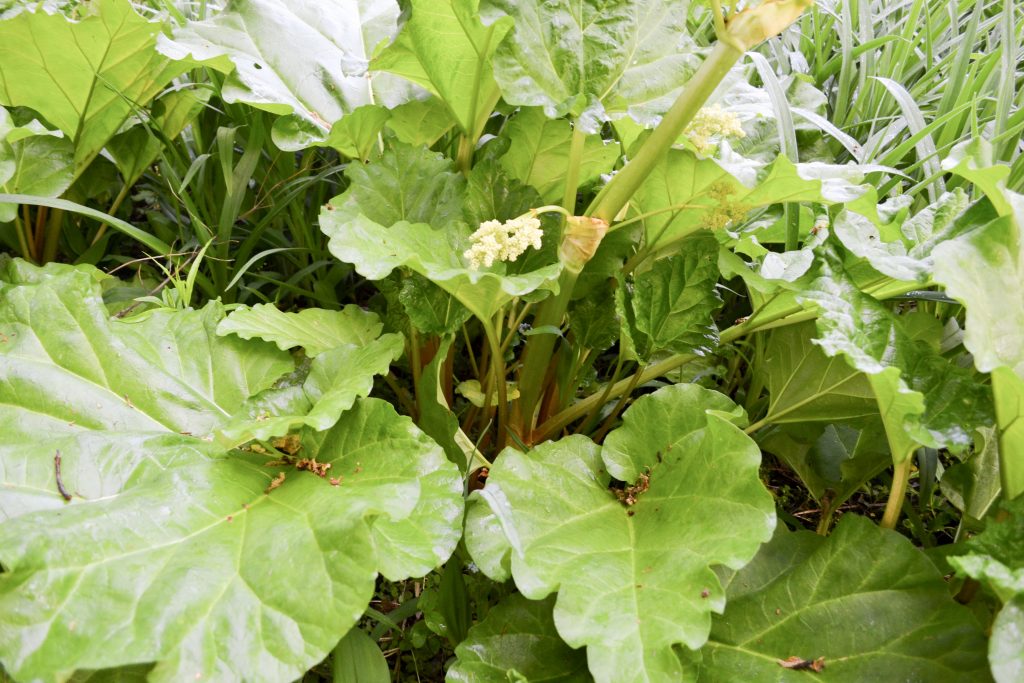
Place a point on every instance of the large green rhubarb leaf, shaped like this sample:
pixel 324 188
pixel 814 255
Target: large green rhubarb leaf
pixel 924 399
pixel 306 60
pixel 517 641
pixel 863 603
pixel 632 565
pixel 594 60
pixel 201 564
pixel 92 384
pixel 406 209
pixel 444 48
pixel 805 384
pixel 124 517
pixel 85 77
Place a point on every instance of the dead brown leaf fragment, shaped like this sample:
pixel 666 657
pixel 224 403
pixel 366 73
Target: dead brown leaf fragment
pixel 801 664
pixel 290 444
pixel 278 480
pixel 629 495
pixel 317 468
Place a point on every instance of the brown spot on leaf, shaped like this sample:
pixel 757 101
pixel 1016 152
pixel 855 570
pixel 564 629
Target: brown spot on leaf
pixel 801 664
pixel 629 495
pixel 706 593
pixel 278 480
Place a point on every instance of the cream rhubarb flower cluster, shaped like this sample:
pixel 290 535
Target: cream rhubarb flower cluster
pixel 713 123
pixel 497 241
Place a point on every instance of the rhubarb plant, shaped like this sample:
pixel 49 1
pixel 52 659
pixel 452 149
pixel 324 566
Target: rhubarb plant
pixel 586 295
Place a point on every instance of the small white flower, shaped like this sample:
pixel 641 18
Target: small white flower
pixel 497 241
pixel 713 123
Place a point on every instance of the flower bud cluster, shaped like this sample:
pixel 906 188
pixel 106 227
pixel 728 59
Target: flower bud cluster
pixel 497 241
pixel 713 123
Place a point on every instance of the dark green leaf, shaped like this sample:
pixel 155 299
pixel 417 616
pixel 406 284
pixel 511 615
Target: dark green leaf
pixel 431 309
pixel 673 302
pixel 357 659
pixel 789 600
pixel 518 641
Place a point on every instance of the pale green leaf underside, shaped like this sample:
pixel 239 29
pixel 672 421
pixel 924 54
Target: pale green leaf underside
pixel 805 384
pixel 303 59
pixel 908 256
pixel 630 586
pixel 594 60
pixel 923 398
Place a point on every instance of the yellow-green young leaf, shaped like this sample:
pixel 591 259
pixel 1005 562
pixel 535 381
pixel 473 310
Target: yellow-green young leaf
pixel 517 640
pixel 594 60
pixel 305 60
pixel 632 565
pixel 444 48
pixel 687 193
pixel 671 304
pixel 357 135
pixel 85 77
pixel 790 599
pixel 421 122
pixel 538 153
